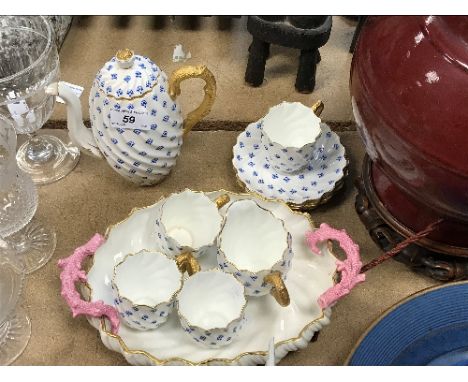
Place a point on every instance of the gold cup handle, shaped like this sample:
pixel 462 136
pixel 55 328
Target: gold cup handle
pixel 185 73
pixel 222 200
pixel 318 107
pixel 279 291
pixel 187 263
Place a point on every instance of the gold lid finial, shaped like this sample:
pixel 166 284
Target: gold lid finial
pixel 124 54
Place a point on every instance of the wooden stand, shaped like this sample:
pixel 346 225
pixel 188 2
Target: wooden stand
pixel 436 265
pixel 307 33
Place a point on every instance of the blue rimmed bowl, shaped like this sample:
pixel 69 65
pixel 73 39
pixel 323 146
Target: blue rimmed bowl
pixel 428 328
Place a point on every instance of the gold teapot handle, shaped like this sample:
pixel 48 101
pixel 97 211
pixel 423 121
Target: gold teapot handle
pixel 185 73
pixel 186 262
pixel 279 291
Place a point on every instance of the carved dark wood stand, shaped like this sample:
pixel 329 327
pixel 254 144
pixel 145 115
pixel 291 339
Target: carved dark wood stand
pixel 439 266
pixel 307 33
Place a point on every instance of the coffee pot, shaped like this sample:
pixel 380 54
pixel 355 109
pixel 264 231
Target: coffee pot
pixel 136 123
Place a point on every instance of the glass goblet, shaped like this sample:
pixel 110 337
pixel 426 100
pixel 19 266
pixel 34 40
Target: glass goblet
pixel 33 243
pixel 15 326
pixel 29 63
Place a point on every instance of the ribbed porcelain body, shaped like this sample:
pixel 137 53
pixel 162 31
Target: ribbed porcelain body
pixel 142 155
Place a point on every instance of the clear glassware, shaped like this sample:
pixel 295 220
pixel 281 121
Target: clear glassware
pixel 15 326
pixel 29 63
pixel 61 25
pixel 33 242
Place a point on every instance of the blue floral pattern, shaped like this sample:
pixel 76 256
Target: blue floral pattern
pixel 141 317
pixel 253 281
pixel 258 173
pixel 285 160
pixel 213 338
pixel 152 152
pixel 124 83
pixel 170 246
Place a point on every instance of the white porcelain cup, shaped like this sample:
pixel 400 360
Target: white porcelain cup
pixel 187 226
pixel 144 286
pixel 255 247
pixel 211 308
pixel 289 133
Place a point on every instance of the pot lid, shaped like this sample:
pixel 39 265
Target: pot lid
pixel 127 75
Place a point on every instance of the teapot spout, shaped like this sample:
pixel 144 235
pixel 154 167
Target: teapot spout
pixel 79 134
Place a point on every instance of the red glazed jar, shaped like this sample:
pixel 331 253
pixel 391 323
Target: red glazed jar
pixel 409 87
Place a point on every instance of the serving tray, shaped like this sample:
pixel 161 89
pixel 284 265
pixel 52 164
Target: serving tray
pixel 292 327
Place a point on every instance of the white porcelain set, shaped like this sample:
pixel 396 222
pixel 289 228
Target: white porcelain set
pixel 255 247
pixel 145 285
pixel 135 122
pixel 187 225
pixel 254 256
pixel 290 155
pixel 148 286
pixel 251 243
pixel 289 132
pixel 311 276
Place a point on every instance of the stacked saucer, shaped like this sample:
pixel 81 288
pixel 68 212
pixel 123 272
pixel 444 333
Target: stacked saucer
pixel 291 156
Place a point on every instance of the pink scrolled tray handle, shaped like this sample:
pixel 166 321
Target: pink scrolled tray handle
pixel 350 268
pixel 72 273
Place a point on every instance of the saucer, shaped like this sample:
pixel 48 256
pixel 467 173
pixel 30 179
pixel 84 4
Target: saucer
pixel 304 189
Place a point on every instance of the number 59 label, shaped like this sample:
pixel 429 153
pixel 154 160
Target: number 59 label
pixel 130 119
